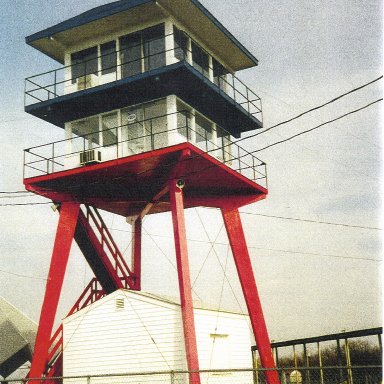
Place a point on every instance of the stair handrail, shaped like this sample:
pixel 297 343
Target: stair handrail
pixel 95 292
pixel 107 239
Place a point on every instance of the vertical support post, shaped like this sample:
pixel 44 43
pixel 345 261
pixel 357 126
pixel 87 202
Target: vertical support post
pixel 348 358
pixel 64 235
pixel 236 237
pixel 277 356
pixel 177 206
pixel 320 363
pixel 306 362
pixel 339 362
pixel 255 367
pixel 136 253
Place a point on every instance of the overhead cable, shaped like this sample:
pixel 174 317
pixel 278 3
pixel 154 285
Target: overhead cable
pixel 318 126
pixel 312 109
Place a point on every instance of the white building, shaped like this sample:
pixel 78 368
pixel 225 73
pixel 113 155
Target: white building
pixel 134 332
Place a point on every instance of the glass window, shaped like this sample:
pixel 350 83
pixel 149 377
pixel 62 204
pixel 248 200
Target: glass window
pixel 109 129
pixel 143 50
pixel 154 47
pixel 224 145
pixel 108 57
pixel 156 123
pixel 200 59
pixel 84 63
pixel 133 134
pixel 130 54
pixel 87 128
pixel 184 119
pixel 203 129
pixel 219 74
pixel 181 43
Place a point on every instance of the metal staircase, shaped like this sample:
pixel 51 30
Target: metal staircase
pixel 109 267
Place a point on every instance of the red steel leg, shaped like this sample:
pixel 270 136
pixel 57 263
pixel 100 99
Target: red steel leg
pixel 177 206
pixel 244 269
pixel 64 236
pixel 136 253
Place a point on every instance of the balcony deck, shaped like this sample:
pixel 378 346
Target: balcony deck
pixel 123 178
pixel 125 186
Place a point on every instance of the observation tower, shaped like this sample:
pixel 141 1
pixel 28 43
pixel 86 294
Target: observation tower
pixel 149 104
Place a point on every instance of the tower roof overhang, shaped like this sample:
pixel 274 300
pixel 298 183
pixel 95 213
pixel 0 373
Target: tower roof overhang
pixel 112 17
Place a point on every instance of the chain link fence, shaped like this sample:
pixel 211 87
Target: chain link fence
pixel 300 375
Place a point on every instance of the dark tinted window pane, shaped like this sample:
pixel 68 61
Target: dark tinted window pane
pixel 84 63
pixel 200 59
pixel 108 57
pixel 154 47
pixel 87 128
pixel 184 119
pixel 130 54
pixel 109 129
pixel 219 72
pixel 181 43
pixel 203 129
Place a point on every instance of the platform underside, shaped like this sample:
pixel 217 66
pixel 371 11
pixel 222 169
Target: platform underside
pixel 132 185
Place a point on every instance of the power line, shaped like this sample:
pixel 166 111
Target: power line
pixel 316 254
pixel 23 204
pixel 312 109
pixel 13 192
pixel 318 126
pixel 21 275
pixel 242 212
pixel 312 221
pixel 268 249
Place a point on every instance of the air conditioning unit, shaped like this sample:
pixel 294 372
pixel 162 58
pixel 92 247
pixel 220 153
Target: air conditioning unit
pixel 90 156
pixel 87 81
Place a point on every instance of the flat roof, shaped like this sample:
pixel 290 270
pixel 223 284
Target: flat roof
pixel 112 17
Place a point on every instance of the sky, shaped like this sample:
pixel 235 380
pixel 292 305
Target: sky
pixel 314 277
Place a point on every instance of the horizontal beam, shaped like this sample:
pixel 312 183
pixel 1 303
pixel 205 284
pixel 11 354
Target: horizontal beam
pixel 330 337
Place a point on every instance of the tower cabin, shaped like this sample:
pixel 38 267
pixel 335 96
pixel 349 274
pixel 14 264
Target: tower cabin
pixel 139 76
pixel 150 104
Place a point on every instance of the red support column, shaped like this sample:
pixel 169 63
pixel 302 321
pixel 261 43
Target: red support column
pixel 177 206
pixel 64 235
pixel 136 253
pixel 244 269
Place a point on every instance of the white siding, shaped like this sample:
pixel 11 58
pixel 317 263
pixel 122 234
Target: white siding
pixel 147 336
pixel 144 336
pixel 223 342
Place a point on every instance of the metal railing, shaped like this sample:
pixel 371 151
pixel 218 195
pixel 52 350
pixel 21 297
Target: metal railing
pixel 370 374
pixel 65 154
pixel 58 82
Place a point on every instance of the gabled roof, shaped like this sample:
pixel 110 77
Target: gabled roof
pixel 17 335
pixel 159 300
pixel 109 18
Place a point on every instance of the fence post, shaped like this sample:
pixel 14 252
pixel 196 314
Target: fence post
pixel 88 379
pixel 320 363
pixel 172 377
pixel 348 358
pixel 307 372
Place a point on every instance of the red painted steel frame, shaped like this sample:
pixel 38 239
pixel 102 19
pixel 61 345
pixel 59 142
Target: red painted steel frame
pixel 236 237
pixel 64 235
pixel 177 207
pixel 136 253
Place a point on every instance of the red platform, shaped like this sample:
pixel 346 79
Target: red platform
pixel 127 185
